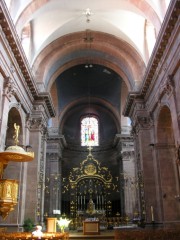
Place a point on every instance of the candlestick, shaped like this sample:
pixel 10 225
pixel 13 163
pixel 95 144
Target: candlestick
pixel 152 214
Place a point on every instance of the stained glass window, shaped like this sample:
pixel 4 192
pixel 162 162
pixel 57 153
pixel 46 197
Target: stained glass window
pixel 89 131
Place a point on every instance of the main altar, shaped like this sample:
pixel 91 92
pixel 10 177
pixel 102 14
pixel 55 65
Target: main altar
pixel 91 227
pixel 90 187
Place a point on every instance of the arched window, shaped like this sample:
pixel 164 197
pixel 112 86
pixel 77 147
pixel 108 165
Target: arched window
pixel 25 40
pixel 89 131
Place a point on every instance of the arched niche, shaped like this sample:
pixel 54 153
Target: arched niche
pixel 13 117
pixel 167 167
pixel 14 169
pixel 164 128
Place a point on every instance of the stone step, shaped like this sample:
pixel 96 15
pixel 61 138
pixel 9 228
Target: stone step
pixel 91 237
pixel 107 235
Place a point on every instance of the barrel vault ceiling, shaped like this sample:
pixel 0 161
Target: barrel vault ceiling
pixel 86 52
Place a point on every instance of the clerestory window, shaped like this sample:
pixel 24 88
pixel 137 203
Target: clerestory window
pixel 89 131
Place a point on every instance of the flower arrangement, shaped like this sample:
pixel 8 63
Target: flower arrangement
pixel 63 223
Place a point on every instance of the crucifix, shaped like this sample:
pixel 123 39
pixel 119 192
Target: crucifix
pixel 90 148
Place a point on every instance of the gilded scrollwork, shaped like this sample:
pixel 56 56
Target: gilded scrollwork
pixel 90 168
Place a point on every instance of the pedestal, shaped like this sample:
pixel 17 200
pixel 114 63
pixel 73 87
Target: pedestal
pixel 51 224
pixel 91 228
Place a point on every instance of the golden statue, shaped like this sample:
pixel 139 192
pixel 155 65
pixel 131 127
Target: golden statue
pixel 91 207
pixel 16 135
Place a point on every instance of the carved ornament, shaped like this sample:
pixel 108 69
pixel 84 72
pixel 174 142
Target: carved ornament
pixel 144 121
pixel 9 88
pixel 167 87
pixel 36 124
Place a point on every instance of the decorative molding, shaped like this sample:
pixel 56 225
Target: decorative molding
pixel 164 146
pixel 57 139
pixel 140 105
pixel 166 87
pixel 127 155
pixel 161 44
pixel 156 56
pixel 142 122
pixel 53 131
pixel 14 42
pixel 123 138
pixel 36 124
pixel 9 88
pixel 53 156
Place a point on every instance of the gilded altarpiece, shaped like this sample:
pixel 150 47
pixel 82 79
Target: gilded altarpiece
pixel 90 187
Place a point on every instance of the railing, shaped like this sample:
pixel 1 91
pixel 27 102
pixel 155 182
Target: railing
pixel 28 236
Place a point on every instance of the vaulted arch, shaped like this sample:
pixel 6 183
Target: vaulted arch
pixel 107 50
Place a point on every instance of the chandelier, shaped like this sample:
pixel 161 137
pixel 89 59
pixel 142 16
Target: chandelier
pixel 88 14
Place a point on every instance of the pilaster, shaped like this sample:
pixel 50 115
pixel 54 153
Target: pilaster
pixel 36 125
pixel 125 144
pixel 55 145
pixel 143 130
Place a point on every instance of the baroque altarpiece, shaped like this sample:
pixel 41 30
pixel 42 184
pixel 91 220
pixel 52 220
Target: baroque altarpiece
pixel 90 187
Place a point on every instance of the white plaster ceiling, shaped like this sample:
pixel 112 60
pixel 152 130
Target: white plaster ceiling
pixel 51 19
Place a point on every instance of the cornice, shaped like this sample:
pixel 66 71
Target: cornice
pixel 167 27
pixel 130 99
pixel 119 138
pixel 57 139
pixel 162 41
pixel 10 33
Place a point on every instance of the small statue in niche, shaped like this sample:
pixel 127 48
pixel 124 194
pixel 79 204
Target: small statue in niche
pixel 16 134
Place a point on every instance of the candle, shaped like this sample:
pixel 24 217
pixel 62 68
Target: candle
pixel 152 214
